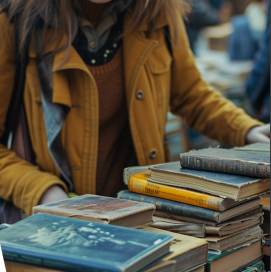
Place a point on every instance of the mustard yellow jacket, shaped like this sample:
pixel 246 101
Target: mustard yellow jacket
pixel 166 82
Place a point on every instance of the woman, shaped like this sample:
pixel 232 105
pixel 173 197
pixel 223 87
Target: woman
pixel 100 79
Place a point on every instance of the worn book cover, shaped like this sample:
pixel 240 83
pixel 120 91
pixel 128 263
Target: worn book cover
pixel 253 164
pixel 235 260
pixel 191 211
pixel 259 147
pixel 185 228
pixel 235 226
pixel 224 185
pixel 249 214
pixel 74 245
pixel 139 184
pixel 101 209
pixel 235 240
pixel 188 252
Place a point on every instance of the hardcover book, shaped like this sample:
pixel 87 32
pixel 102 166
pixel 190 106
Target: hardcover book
pixel 236 226
pixel 203 229
pixel 258 267
pixel 224 185
pixel 139 184
pixel 259 147
pixel 201 269
pixel 188 252
pixel 185 228
pixel 191 211
pixel 235 260
pixel 253 164
pixel 74 245
pixel 222 244
pixel 101 209
pixel 232 221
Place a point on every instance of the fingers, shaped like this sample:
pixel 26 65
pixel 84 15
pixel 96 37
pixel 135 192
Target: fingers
pixel 261 138
pixel 265 130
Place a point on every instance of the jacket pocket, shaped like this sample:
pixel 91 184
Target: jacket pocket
pixel 159 70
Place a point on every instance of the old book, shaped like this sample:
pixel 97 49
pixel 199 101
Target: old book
pixel 190 210
pixel 75 245
pixel 265 201
pixel 253 164
pixel 19 267
pixel 224 185
pixel 254 212
pixel 139 184
pixel 259 147
pixel 200 230
pixel 188 252
pixel 201 269
pixel 235 260
pixel 258 267
pixel 230 228
pixel 101 209
pixel 235 240
pixel 195 230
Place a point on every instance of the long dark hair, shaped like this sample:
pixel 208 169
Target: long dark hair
pixel 62 17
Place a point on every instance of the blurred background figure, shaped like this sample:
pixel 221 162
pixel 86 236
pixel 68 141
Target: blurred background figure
pixel 258 84
pixel 248 30
pixel 206 13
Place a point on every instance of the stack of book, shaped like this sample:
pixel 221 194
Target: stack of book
pixel 218 189
pixel 265 201
pixel 95 233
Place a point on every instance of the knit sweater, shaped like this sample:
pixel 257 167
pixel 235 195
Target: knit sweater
pixel 116 149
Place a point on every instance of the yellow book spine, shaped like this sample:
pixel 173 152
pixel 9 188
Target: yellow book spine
pixel 139 184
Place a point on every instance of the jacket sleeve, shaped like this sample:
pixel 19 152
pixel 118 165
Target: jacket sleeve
pixel 20 182
pixel 200 107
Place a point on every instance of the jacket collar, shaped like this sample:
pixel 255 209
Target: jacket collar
pixel 72 60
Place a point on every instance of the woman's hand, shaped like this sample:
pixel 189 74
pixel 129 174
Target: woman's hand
pixel 259 134
pixel 53 194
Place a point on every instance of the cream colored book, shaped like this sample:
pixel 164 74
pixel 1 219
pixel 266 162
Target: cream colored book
pixel 185 228
pixel 188 253
pixel 222 244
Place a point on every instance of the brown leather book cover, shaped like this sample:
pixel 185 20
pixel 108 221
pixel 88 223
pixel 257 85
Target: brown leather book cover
pixel 101 209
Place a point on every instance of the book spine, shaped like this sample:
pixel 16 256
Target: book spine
pixel 173 207
pixel 225 166
pixel 19 256
pixel 139 184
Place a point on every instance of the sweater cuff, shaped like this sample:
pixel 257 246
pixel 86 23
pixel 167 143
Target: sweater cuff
pixel 243 128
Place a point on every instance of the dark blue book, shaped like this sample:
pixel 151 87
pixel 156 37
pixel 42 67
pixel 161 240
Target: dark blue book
pixel 244 163
pixel 231 186
pixel 190 211
pixel 73 245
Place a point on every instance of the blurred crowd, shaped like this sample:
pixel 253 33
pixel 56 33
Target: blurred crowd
pixel 249 40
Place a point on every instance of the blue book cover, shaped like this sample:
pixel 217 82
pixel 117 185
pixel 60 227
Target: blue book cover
pixel 232 186
pixel 172 206
pixel 74 245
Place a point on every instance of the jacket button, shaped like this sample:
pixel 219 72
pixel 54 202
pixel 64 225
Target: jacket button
pixel 140 95
pixel 153 154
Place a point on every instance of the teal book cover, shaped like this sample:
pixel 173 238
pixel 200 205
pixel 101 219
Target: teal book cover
pixel 74 245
